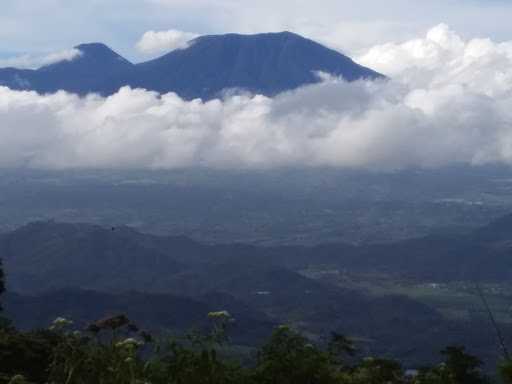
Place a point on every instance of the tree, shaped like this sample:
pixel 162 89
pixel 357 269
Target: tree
pixel 506 371
pixel 459 367
pixel 2 282
pixel 27 354
pixel 376 371
pixel 464 367
pixel 289 358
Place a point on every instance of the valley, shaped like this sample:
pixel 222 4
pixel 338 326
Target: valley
pixel 456 300
pixel 270 208
pixel 88 271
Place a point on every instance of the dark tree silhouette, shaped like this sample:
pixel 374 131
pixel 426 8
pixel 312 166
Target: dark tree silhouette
pixel 2 282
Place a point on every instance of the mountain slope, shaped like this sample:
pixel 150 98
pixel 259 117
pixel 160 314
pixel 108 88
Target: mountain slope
pixel 97 69
pixel 46 256
pixel 155 312
pixel 265 64
pixel 484 254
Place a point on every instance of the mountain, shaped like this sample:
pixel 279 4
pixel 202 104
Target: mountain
pixel 266 64
pixel 97 69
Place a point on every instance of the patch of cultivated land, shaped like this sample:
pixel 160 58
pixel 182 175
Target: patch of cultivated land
pixel 458 300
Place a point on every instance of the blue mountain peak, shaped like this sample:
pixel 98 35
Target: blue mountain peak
pixel 267 63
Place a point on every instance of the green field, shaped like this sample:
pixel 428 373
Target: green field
pixel 456 300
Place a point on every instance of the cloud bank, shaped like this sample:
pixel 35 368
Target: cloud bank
pixel 156 42
pixel 450 101
pixel 36 61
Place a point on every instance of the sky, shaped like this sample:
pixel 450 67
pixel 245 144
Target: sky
pixel 46 26
pixel 448 99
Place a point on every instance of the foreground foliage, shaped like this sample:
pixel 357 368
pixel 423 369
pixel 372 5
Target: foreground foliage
pixel 115 351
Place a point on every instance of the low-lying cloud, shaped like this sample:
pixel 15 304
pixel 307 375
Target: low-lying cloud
pixel 156 42
pixel 450 101
pixel 27 61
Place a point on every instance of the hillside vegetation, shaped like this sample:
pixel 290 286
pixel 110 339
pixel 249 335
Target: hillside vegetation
pixel 114 351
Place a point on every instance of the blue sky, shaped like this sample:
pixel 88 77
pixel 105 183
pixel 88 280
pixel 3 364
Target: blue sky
pixel 42 26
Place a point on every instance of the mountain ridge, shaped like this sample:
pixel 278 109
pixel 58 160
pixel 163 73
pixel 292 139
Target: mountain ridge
pixel 37 257
pixel 267 63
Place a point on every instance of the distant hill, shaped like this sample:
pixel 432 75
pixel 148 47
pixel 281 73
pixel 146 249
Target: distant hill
pixel 266 64
pixel 45 256
pixel 85 271
pixel 154 312
pixel 484 254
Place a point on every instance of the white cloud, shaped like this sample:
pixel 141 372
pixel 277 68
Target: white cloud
pixel 153 42
pixel 36 61
pixel 339 23
pixel 443 58
pixel 450 101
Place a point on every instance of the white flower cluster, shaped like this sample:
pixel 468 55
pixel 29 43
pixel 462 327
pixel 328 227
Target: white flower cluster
pixel 60 323
pixel 219 315
pixel 129 343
